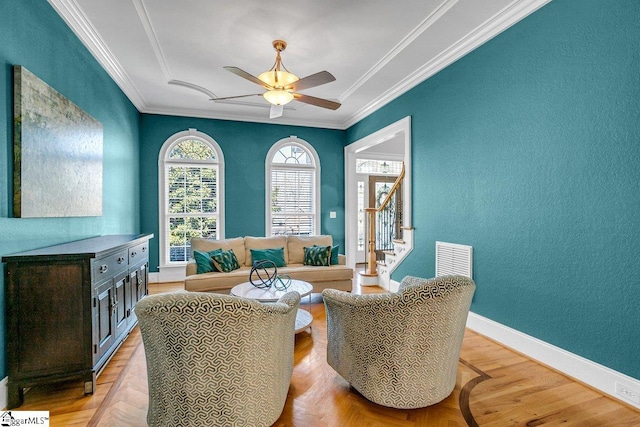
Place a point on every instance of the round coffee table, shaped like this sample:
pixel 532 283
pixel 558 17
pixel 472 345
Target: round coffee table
pixel 303 317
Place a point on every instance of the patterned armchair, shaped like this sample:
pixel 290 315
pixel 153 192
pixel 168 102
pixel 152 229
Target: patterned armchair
pixel 400 350
pixel 217 360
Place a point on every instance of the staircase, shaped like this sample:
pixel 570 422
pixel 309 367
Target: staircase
pixel 392 259
pixel 378 272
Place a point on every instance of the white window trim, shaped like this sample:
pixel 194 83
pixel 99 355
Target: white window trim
pixel 162 202
pixel 293 140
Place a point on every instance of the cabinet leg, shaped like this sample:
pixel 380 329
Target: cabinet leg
pixel 90 383
pixel 15 395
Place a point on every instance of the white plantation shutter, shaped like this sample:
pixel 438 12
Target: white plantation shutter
pixel 292 204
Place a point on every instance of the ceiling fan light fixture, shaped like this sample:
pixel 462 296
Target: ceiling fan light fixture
pixel 283 87
pixel 278 96
pixel 277 78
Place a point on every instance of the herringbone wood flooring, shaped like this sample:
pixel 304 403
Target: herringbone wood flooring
pixel 495 387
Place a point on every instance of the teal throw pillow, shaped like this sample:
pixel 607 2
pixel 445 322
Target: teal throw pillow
pixel 317 255
pixel 274 255
pixel 334 254
pixel 203 261
pixel 225 261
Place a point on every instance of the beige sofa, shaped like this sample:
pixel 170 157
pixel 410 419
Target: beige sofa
pixel 321 277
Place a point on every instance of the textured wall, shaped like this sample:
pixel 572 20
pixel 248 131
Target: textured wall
pixel 33 35
pixel 245 147
pixel 528 149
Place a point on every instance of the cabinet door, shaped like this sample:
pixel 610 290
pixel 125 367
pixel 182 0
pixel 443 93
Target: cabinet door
pixel 122 291
pixel 133 296
pixel 105 319
pixel 142 284
pixel 138 281
pixel 45 305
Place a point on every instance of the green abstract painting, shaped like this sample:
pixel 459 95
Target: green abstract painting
pixel 57 153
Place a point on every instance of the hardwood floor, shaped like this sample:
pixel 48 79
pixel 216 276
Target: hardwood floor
pixel 495 387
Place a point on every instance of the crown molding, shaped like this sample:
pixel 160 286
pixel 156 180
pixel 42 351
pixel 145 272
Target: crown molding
pixel 184 112
pixel 153 38
pixel 510 15
pixel 72 14
pixel 413 34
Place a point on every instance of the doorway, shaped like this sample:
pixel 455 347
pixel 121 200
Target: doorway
pixel 389 145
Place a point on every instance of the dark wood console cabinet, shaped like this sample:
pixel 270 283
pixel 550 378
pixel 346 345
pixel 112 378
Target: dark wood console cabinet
pixel 69 307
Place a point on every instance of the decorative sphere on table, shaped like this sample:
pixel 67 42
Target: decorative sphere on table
pixel 263 274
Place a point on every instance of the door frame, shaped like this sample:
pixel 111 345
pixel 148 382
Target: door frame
pixel 401 130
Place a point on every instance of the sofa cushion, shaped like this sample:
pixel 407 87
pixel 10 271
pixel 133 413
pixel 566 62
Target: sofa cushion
pixel 316 274
pixel 206 245
pixel 225 261
pixel 251 242
pixel 296 244
pixel 203 261
pixel 217 282
pixel 317 255
pixel 274 255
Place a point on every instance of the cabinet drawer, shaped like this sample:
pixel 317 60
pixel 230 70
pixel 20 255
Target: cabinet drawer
pixel 138 252
pixel 108 266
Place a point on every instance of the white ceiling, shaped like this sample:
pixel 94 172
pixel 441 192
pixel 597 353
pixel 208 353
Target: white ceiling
pixel 376 49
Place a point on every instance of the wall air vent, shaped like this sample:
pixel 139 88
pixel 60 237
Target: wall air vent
pixel 452 258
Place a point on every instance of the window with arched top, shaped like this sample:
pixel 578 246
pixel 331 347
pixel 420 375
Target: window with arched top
pixel 293 188
pixel 191 185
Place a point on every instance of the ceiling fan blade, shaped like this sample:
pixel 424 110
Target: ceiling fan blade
pixel 238 72
pixel 193 86
pixel 313 80
pixel 318 102
pixel 234 97
pixel 276 111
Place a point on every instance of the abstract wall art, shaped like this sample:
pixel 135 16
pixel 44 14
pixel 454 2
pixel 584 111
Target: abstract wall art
pixel 57 153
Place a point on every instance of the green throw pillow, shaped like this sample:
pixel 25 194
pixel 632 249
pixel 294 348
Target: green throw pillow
pixel 225 261
pixel 317 255
pixel 275 255
pixel 203 261
pixel 334 254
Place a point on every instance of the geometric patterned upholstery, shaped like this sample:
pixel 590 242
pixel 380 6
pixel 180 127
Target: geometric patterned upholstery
pixel 217 360
pixel 400 350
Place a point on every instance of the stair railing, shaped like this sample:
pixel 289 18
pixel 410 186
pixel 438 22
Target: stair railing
pixel 372 261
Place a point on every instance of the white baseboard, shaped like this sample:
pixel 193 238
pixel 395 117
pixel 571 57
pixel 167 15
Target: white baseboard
pixel 394 285
pixel 586 371
pixel 4 394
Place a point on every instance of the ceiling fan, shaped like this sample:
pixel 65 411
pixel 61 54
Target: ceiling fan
pixel 282 86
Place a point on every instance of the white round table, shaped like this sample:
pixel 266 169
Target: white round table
pixel 303 317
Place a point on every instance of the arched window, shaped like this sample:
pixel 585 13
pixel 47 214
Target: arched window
pixel 293 188
pixel 191 186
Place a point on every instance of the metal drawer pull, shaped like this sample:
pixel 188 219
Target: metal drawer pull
pixel 133 254
pixel 104 268
pixel 120 260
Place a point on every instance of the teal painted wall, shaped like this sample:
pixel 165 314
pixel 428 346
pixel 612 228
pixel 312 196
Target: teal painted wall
pixel 528 149
pixel 33 35
pixel 245 147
